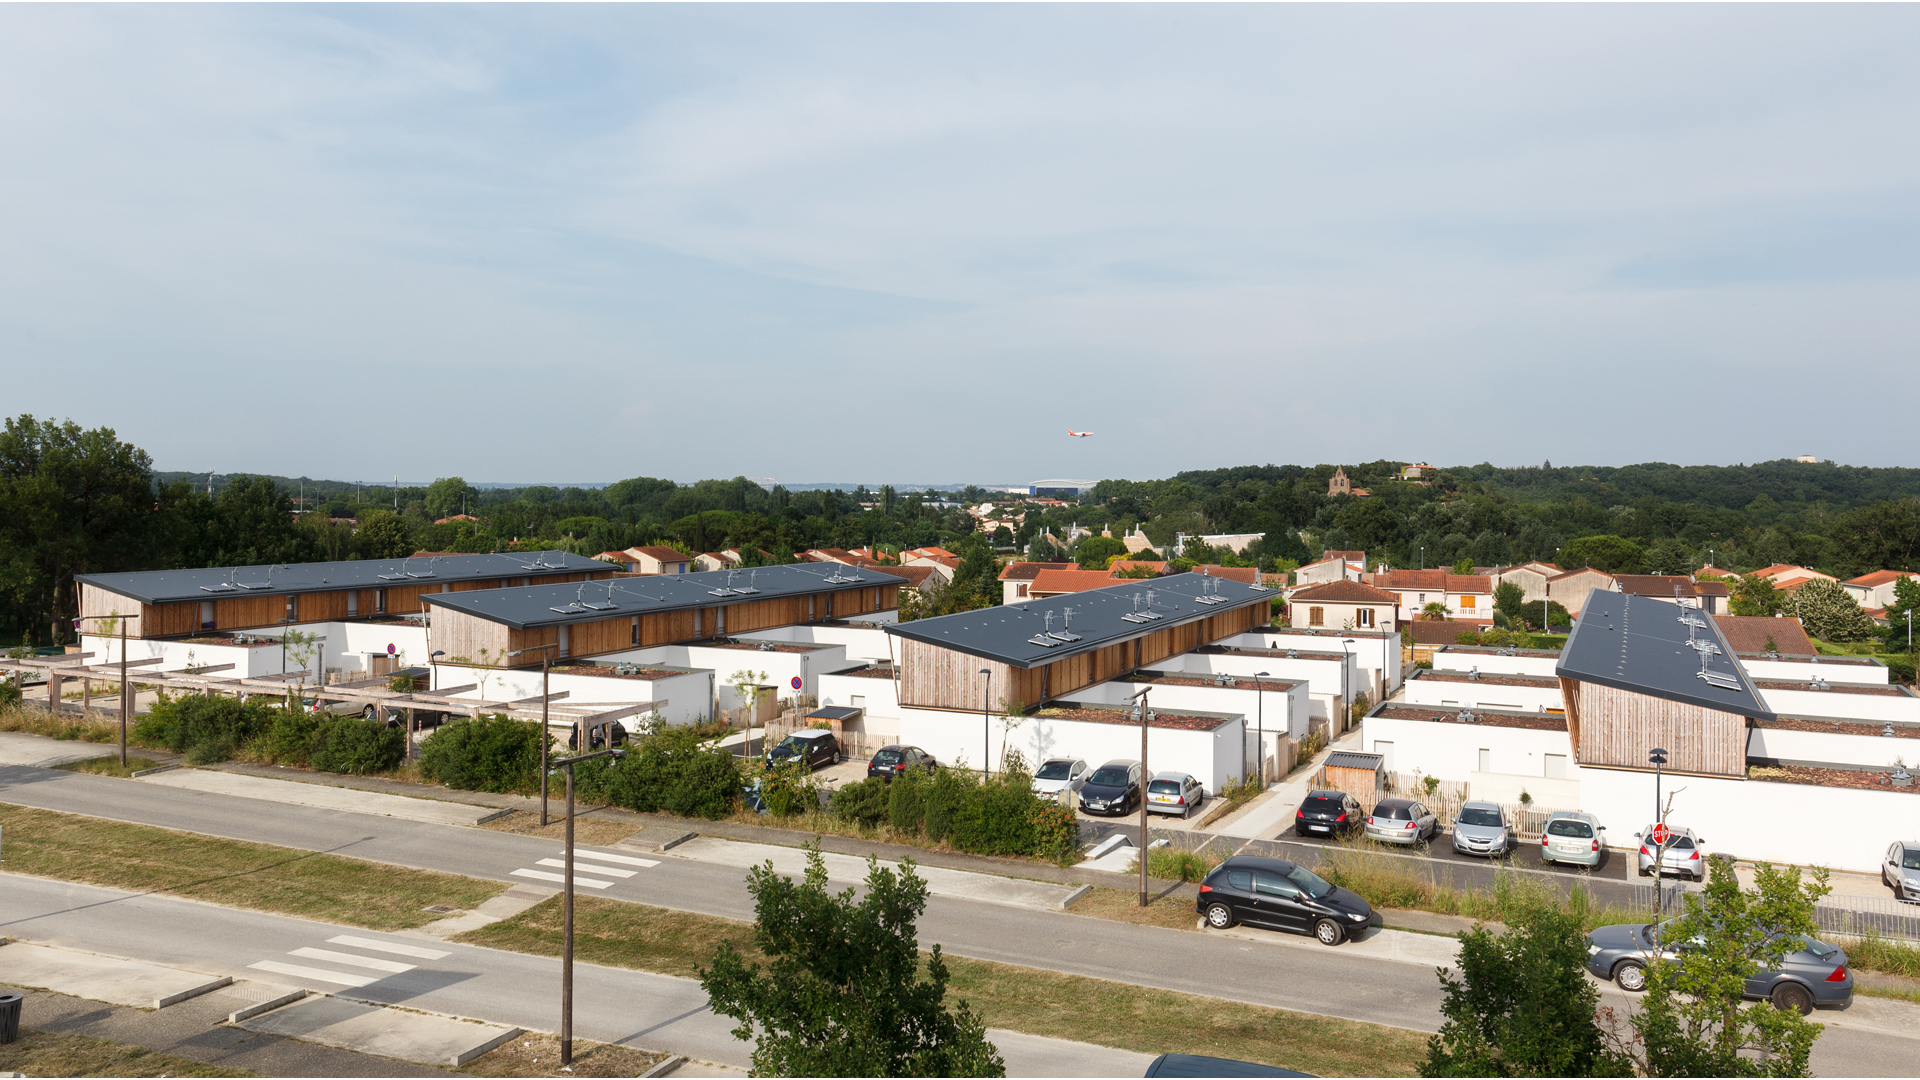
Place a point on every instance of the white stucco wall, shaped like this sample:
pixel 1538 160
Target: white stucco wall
pixel 1275 710
pixel 1377 655
pixel 1479 694
pixel 1452 751
pixel 1837 703
pixel 867 644
pixel 956 737
pixel 1874 674
pixel 1321 676
pixel 1834 748
pixel 877 696
pixel 344 646
pixel 781 668
pixel 687 698
pixel 1452 659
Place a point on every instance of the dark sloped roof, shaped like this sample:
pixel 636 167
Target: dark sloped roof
pixel 172 586
pixel 1004 634
pixel 1664 586
pixel 1025 571
pixel 650 594
pixel 1641 645
pixel 1353 759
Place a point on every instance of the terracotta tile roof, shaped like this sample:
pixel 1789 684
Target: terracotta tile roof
pixel 1469 583
pixel 1710 588
pixel 664 554
pixel 1658 585
pixel 1345 592
pixel 1581 570
pixel 916 575
pixel 1880 577
pixel 1026 571
pixel 1789 570
pixel 1412 580
pixel 1121 566
pixel 929 553
pixel 1246 575
pixel 1442 632
pixel 1749 634
pixel 1350 556
pixel 1054 582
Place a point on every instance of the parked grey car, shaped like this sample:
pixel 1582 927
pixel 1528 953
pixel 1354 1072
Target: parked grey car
pixel 1573 838
pixel 1174 793
pixel 1059 774
pixel 1401 821
pixel 1685 854
pixel 1814 975
pixel 1482 829
pixel 1901 871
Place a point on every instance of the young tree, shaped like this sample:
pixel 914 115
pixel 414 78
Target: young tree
pixel 385 535
pixel 1754 595
pixel 1694 1019
pixel 1522 1004
pixel 1510 600
pixel 1464 566
pixel 1094 552
pixel 1828 613
pixel 843 993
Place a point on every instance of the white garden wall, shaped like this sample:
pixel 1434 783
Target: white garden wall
pixel 1378 655
pixel 958 738
pixel 1443 693
pixel 687 698
pixel 1452 751
pixel 1321 676
pixel 1838 704
pixel 877 696
pixel 866 644
pixel 1870 673
pixel 1491 663
pixel 1831 748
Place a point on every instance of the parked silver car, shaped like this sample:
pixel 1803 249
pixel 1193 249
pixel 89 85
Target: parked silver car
pixel 1685 854
pixel 1059 774
pixel 1814 975
pixel 1573 838
pixel 1482 829
pixel 1901 870
pixel 1174 793
pixel 1401 821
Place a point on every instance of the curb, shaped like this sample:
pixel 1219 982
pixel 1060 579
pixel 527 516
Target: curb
pixel 1078 895
pixel 138 773
pixel 475 1051
pixel 495 816
pixel 252 1011
pixel 193 992
pixel 666 1066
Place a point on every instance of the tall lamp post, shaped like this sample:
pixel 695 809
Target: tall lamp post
pixel 1146 717
pixel 1260 725
pixel 1658 757
pixel 566 918
pixel 546 739
pixel 986 727
pixel 123 677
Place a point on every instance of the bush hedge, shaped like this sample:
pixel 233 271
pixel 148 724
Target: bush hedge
pixel 493 753
pixel 213 729
pixel 996 816
pixel 667 770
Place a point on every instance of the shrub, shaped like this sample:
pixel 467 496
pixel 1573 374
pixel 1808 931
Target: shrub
pixel 907 802
pixel 1056 832
pixel 349 744
pixel 996 818
pixel 493 753
pixel 288 739
pixel 667 769
pixel 865 803
pixel 206 729
pixel 789 789
pixel 9 692
pixel 946 794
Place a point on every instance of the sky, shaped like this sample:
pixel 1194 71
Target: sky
pixel 917 243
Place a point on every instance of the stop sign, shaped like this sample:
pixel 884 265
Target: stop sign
pixel 1661 834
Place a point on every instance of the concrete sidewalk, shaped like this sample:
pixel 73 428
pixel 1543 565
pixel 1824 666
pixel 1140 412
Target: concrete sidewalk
pixel 352 800
pixel 110 979
pixel 941 881
pixel 39 751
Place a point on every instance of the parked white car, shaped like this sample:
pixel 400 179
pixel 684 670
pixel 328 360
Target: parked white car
pixel 1056 775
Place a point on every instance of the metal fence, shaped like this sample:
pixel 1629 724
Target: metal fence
pixel 1846 916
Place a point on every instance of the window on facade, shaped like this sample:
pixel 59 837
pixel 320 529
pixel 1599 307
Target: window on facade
pixel 290 607
pixel 1363 618
pixel 1466 603
pixel 564 649
pixel 353 604
pixel 636 629
pixel 1023 590
pixel 206 615
pixel 380 600
pixel 1316 616
pixel 1423 598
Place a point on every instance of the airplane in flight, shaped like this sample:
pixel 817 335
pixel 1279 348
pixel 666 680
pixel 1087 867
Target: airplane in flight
pixel 1078 434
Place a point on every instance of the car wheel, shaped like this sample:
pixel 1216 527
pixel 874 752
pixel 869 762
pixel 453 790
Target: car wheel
pixel 1328 931
pixel 1792 997
pixel 1630 976
pixel 1219 916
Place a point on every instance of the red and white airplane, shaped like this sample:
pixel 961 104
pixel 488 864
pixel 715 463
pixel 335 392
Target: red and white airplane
pixel 1078 434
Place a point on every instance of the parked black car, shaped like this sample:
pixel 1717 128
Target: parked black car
pixel 615 731
pixel 1280 895
pixel 890 761
pixel 1201 1065
pixel 815 746
pixel 1328 813
pixel 1113 788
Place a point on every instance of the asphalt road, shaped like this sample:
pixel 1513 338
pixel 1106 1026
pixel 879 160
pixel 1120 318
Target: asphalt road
pixel 1281 971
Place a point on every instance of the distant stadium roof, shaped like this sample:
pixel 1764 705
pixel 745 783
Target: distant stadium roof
pixel 1011 634
pixel 1663 650
pixel 173 586
pixel 650 594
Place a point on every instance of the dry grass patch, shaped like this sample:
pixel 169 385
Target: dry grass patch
pixel 236 873
pixel 34 720
pixel 1016 998
pixel 535 1054
pixel 42 1053
pixel 1172 912
pixel 590 829
pixel 109 765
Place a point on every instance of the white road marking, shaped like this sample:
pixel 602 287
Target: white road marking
pixel 317 974
pixel 386 946
pixel 625 860
pixel 561 864
pixel 542 875
pixel 392 967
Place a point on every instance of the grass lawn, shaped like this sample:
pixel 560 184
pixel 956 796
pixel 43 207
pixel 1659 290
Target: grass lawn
pixel 536 1054
pixel 109 765
pixel 231 872
pixel 1020 999
pixel 598 828
pixel 40 1053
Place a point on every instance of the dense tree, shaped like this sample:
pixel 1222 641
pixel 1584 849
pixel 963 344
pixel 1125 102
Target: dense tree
pixel 385 535
pixel 1095 551
pixel 1882 536
pixel 843 992
pixel 1828 613
pixel 1754 595
pixel 448 496
pixel 1608 554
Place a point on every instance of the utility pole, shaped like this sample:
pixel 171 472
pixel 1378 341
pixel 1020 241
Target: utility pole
pixel 1659 758
pixel 546 738
pixel 986 723
pixel 566 918
pixel 1146 717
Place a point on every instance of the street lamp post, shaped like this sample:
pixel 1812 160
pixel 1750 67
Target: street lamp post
pixel 986 728
pixel 1146 717
pixel 123 679
pixel 566 917
pixel 1659 758
pixel 1260 725
pixel 546 735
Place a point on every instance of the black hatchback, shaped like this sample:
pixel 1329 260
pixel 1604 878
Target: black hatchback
pixel 1328 813
pixel 1113 788
pixel 890 761
pixel 1280 895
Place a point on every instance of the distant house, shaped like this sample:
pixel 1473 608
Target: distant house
pixel 1121 567
pixel 1060 582
pixel 1017 578
pixel 1245 575
pixel 1570 589
pixel 944 566
pixel 1422 472
pixel 1751 633
pixel 715 560
pixel 918 577
pixel 1438 633
pixel 1468 597
pixel 1136 541
pixel 1335 567
pixel 455 518
pixel 1343 605
pixel 1875 590
pixel 1785 574
pixel 656 560
pixel 1532 577
pixel 927 553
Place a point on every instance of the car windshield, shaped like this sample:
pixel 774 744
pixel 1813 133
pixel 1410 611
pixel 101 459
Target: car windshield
pixel 1478 816
pixel 1570 827
pixel 792 744
pixel 1110 777
pixel 1912 859
pixel 1054 770
pixel 1164 787
pixel 886 757
pixel 1310 883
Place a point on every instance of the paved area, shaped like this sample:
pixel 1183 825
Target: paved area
pixel 940 880
pixel 216 782
pixel 19 749
pixel 388 1032
pixel 102 978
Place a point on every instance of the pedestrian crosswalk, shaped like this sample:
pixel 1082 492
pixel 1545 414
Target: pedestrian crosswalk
pixel 586 864
pixel 358 961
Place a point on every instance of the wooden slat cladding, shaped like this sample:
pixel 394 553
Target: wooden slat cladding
pixel 666 628
pixel 98 601
pixel 763 614
pixel 1618 727
pixel 599 636
pixel 245 612
pixel 166 620
pixel 322 607
pixel 524 639
pixel 466 637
